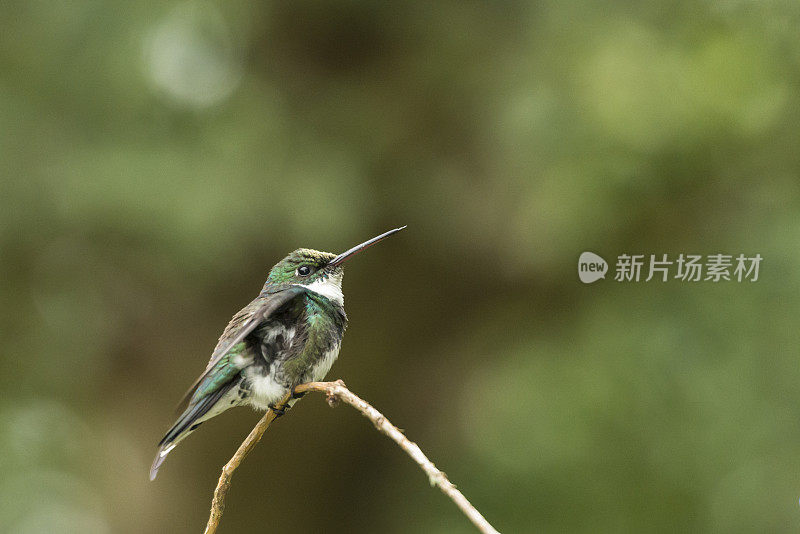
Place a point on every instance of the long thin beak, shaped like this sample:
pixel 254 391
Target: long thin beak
pixel 358 248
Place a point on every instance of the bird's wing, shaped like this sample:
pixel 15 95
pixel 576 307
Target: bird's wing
pixel 219 370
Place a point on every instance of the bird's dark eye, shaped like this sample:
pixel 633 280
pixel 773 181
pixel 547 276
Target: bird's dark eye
pixel 303 270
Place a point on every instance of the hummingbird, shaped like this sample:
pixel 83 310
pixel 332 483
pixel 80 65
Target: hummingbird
pixel 288 335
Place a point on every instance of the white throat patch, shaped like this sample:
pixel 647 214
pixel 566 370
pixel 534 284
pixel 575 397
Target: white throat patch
pixel 330 288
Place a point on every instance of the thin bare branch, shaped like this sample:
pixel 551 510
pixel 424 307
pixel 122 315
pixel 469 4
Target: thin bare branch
pixel 224 483
pixel 337 391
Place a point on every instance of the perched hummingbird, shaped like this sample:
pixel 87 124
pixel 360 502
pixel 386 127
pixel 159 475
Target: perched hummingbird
pixel 290 334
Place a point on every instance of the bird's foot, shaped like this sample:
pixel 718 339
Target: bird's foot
pixel 278 411
pixel 293 395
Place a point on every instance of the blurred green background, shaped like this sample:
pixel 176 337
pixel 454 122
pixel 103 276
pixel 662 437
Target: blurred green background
pixel 156 159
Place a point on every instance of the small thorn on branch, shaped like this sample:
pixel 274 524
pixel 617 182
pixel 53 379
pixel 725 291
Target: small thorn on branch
pixel 333 400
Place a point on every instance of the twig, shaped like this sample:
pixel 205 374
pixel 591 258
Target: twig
pixel 337 391
pixel 224 483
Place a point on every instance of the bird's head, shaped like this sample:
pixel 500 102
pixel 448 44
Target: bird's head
pixel 319 271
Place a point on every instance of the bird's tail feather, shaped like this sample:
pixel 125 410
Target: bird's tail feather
pixel 191 418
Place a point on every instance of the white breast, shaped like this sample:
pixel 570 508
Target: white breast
pixel 264 390
pixel 322 367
